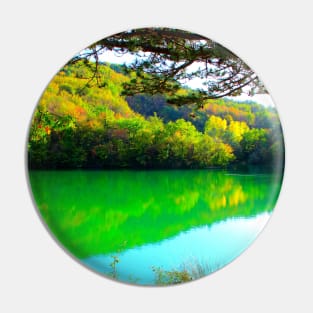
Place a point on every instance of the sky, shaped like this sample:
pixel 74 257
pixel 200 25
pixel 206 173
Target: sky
pixel 111 57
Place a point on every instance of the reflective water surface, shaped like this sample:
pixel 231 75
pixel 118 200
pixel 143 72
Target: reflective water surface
pixel 127 223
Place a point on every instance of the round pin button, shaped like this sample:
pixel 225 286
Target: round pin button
pixel 155 156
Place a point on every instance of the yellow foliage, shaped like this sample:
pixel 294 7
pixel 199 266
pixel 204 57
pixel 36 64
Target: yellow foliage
pixel 237 197
pixel 238 129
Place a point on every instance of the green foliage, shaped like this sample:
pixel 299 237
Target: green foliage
pixel 66 88
pixel 80 125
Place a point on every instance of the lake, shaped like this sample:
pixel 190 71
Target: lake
pixel 132 225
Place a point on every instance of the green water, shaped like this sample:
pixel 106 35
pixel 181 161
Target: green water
pixel 154 218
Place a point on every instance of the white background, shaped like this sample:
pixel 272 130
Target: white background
pixel 274 38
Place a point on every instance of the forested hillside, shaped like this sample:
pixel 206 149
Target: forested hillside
pixel 83 121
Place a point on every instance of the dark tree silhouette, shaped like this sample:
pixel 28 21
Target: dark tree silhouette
pixel 165 57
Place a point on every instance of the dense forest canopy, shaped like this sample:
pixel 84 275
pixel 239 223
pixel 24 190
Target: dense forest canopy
pixel 165 57
pixel 81 124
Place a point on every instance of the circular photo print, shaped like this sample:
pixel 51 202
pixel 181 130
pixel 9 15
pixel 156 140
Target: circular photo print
pixel 155 156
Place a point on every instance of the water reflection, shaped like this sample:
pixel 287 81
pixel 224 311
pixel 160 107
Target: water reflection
pixel 95 214
pixel 210 247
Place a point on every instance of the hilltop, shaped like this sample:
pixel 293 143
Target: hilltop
pixel 83 121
